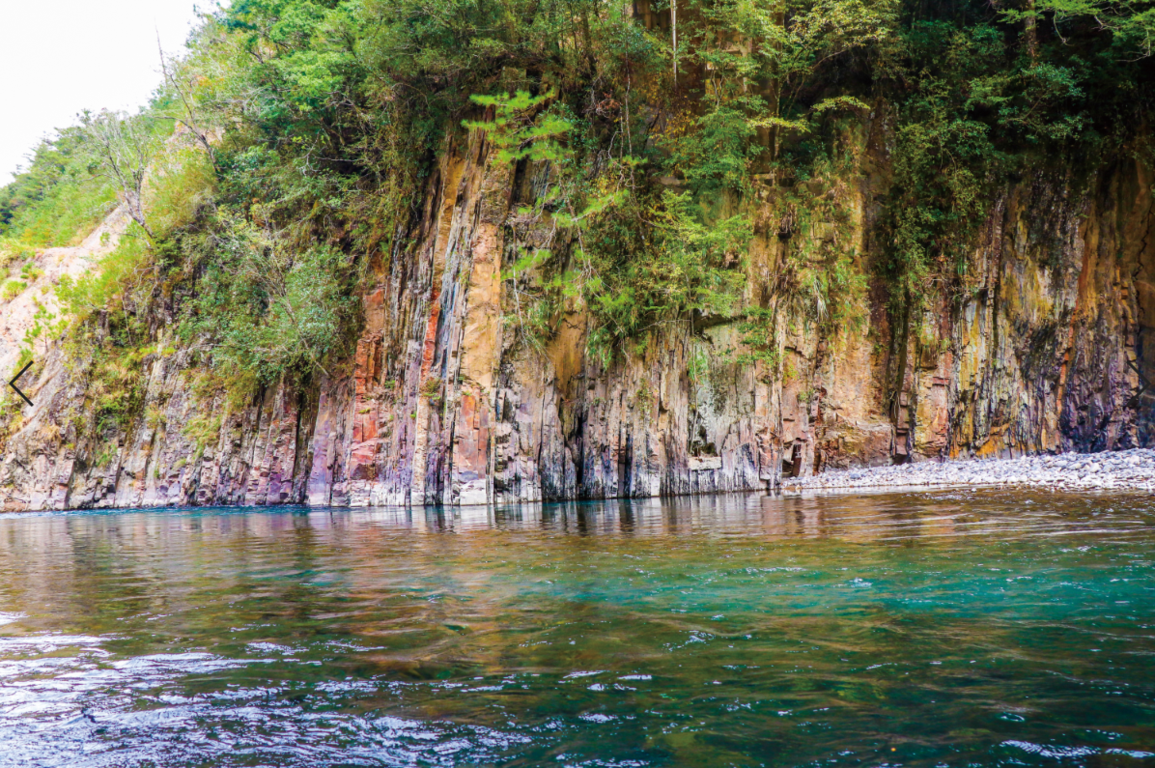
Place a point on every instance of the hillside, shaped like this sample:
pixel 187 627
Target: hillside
pixel 461 252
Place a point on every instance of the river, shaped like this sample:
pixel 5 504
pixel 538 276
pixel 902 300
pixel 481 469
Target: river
pixel 915 629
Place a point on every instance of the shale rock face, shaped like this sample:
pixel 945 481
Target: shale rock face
pixel 1055 348
pixel 1051 349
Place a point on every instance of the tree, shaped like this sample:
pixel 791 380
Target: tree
pixel 122 148
pixel 175 78
pixel 780 47
pixel 1130 22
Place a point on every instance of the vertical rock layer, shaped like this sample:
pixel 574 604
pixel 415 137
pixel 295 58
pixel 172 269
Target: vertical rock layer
pixel 1051 348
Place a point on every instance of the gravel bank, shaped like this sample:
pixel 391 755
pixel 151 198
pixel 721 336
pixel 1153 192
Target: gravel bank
pixel 1132 470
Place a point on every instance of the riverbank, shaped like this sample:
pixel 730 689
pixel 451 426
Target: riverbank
pixel 1132 470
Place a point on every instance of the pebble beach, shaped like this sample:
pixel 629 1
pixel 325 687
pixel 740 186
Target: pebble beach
pixel 1132 470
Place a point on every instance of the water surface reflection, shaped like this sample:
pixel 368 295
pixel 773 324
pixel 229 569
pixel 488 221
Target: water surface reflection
pixel 915 629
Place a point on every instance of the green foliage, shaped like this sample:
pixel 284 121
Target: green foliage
pixel 516 134
pixel 693 268
pixel 13 250
pixel 181 183
pixel 269 312
pixel 818 281
pixel 45 325
pixel 759 337
pixel 121 148
pixel 115 392
pixel 106 454
pixel 644 398
pixel 154 417
pixel 1034 84
pixel 57 200
pixel 792 46
pixel 698 366
pixel 203 430
pixel 432 391
pixel 12 289
pixel 636 263
pixel 1131 23
pixel 120 290
pixel 308 130
pixel 716 155
pixel 122 281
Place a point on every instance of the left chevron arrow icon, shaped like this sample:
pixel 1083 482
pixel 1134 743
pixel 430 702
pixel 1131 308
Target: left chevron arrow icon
pixel 13 382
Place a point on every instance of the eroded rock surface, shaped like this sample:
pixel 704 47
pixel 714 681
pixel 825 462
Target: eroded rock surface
pixel 1050 349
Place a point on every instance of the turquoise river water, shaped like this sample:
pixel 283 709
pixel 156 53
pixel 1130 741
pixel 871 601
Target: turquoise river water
pixel 919 629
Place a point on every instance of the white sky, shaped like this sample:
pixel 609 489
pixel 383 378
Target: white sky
pixel 58 57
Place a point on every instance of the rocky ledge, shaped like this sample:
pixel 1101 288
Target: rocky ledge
pixel 1132 470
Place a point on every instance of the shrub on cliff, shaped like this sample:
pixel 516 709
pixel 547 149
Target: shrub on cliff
pixel 661 141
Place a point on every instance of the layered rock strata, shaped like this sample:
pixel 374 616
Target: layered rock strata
pixel 1051 348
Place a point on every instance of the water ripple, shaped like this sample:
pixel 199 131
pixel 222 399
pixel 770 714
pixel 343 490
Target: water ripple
pixel 915 629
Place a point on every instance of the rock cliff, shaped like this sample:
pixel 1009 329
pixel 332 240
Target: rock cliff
pixel 1051 348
